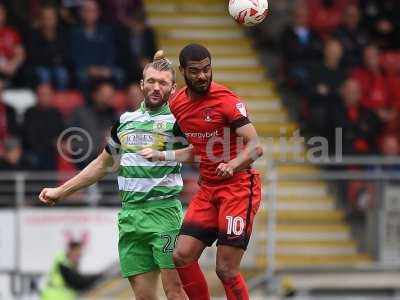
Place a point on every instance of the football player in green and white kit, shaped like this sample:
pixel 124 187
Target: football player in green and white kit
pixel 151 213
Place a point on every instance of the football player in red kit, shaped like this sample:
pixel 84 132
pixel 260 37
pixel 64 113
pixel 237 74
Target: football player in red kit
pixel 215 122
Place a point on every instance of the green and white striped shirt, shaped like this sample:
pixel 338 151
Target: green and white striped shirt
pixel 141 180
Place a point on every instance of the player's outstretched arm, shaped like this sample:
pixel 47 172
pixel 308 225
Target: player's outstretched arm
pixel 180 155
pixel 93 172
pixel 251 152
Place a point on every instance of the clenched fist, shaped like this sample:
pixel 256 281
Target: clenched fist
pixel 50 196
pixel 225 170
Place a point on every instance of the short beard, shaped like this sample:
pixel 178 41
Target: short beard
pixel 153 106
pixel 195 90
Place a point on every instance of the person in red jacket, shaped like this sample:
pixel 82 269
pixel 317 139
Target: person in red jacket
pixel 326 15
pixel 360 126
pixel 12 52
pixel 375 92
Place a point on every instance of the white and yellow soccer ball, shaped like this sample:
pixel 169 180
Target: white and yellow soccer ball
pixel 248 12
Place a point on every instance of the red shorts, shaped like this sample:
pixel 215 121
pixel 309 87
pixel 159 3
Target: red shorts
pixel 224 211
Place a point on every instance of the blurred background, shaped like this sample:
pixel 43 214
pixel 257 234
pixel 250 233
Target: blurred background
pixel 321 79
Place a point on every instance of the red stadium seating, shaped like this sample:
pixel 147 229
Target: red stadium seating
pixel 391 62
pixel 68 101
pixel 119 102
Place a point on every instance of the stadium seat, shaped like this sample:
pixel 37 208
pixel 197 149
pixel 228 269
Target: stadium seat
pixel 20 100
pixel 119 102
pixel 67 101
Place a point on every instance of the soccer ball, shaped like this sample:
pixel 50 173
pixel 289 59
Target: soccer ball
pixel 248 12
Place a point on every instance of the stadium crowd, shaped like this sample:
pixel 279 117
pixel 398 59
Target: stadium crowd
pixel 342 59
pixel 83 59
pixel 340 62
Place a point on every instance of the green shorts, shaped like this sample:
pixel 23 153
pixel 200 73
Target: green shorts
pixel 147 236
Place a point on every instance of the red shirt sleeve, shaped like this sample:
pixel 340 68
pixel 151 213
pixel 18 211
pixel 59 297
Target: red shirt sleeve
pixel 235 112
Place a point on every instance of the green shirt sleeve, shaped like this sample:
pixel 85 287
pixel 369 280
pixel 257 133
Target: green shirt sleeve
pixel 180 140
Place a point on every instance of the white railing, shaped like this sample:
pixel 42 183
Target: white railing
pixel 21 189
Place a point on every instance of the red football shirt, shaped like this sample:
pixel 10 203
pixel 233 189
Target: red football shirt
pixel 209 125
pixel 374 88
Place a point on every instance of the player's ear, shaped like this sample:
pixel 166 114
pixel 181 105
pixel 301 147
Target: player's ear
pixel 142 85
pixel 182 70
pixel 173 90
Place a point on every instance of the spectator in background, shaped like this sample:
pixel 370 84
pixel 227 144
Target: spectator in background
pixel 47 50
pixel 325 80
pixel 382 18
pixel 64 280
pixel 12 158
pixel 374 85
pixel 96 118
pixel 389 145
pixel 122 11
pixel 300 46
pixel 92 49
pixel 352 36
pixel 41 129
pixel 326 15
pixel 8 119
pixel 69 11
pixel 12 52
pixel 126 58
pixel 134 96
pixel 360 126
pixel 142 39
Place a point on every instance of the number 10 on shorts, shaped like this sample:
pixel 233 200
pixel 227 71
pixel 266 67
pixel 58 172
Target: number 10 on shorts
pixel 235 225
